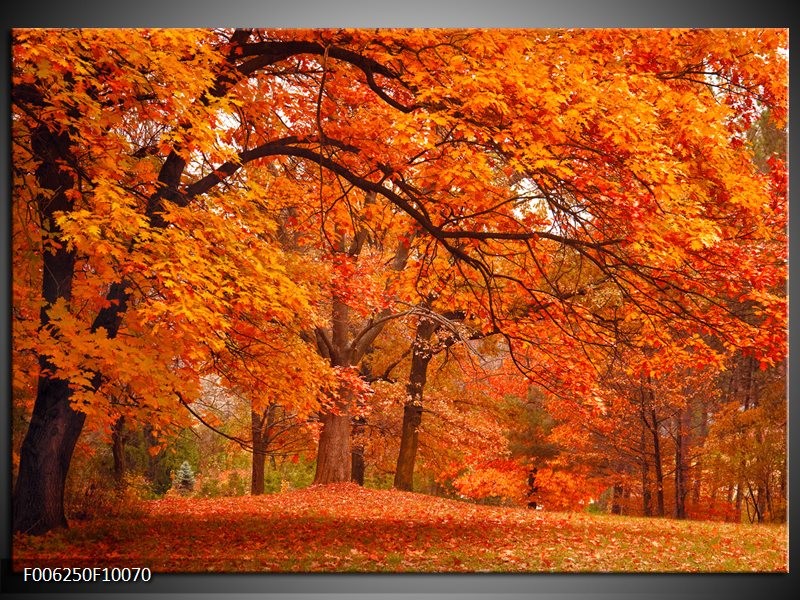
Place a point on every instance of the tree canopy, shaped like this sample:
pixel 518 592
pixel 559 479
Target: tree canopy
pixel 261 205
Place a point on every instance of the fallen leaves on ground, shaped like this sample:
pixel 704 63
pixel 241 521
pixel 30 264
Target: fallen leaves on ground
pixel 345 527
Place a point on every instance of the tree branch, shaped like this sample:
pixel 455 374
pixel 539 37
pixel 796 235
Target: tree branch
pixel 243 443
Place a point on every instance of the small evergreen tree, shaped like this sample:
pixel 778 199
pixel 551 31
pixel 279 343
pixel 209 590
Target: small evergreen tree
pixel 184 481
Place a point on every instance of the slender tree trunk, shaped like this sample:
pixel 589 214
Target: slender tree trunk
pixel 649 399
pixel 697 476
pixel 737 502
pixel 409 444
pixel 746 367
pixel 152 458
pixel 647 494
pixel 657 466
pixel 259 453
pixel 680 471
pixel 616 499
pixel 757 515
pixel 357 454
pixel 359 467
pixel 357 461
pixel 118 450
pixel 412 411
pixel 763 503
pixel 768 508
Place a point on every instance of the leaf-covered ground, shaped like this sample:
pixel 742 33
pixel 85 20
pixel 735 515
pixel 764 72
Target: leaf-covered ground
pixel 349 528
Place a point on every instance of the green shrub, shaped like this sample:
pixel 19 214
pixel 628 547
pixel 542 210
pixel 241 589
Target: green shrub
pixel 288 475
pixel 378 480
pixel 209 488
pixel 236 485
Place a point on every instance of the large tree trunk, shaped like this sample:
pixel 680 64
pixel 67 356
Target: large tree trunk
pixel 334 457
pixel 47 447
pixel 334 453
pixel 412 411
pixel 46 451
pixel 38 503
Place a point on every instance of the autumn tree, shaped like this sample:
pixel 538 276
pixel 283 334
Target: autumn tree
pixel 145 268
pixel 746 441
pixel 149 166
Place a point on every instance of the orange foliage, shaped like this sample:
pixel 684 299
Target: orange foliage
pixel 572 190
pixel 500 478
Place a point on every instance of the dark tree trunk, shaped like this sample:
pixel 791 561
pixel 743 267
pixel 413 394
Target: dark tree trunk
pixel 616 501
pixel 737 502
pixel 257 470
pixel 38 503
pixel 769 511
pixel 761 496
pixel 755 502
pixel 359 467
pixel 264 433
pixel 657 466
pixel 150 442
pixel 409 443
pixel 697 470
pixel 647 493
pixel 649 399
pixel 533 489
pixel 46 451
pixel 118 438
pixel 652 424
pixel 412 411
pixel 680 468
pixel 259 453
